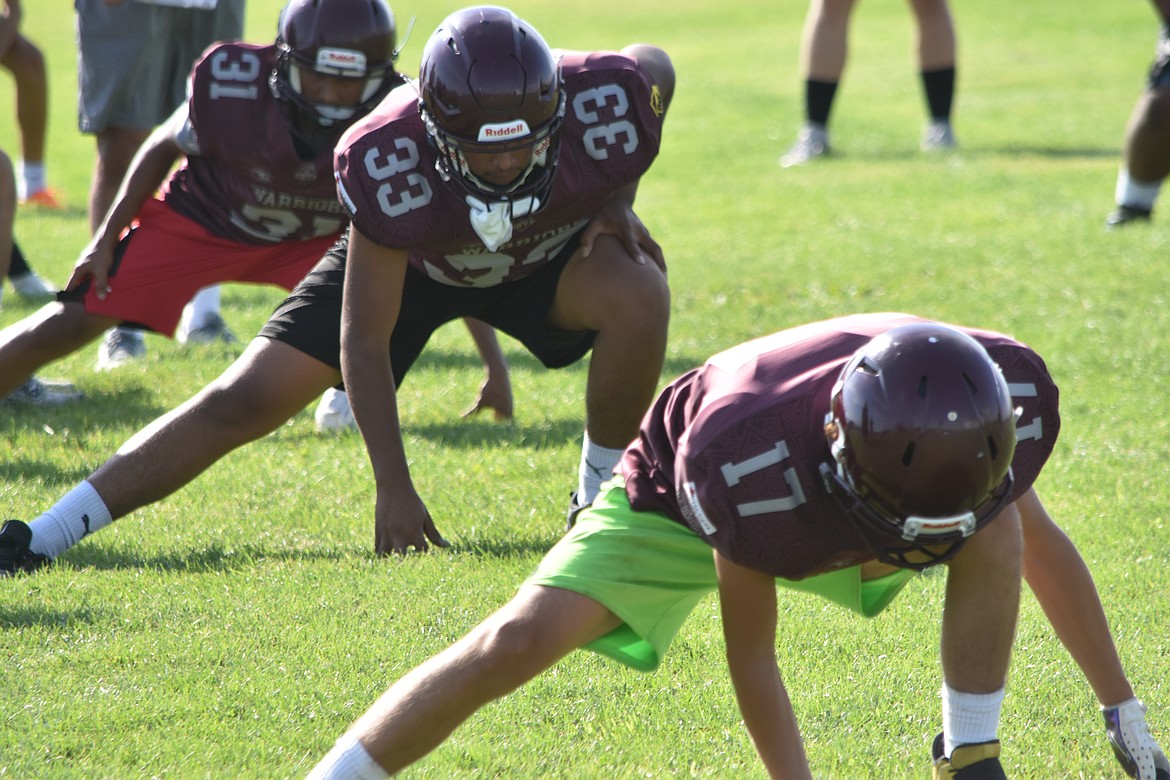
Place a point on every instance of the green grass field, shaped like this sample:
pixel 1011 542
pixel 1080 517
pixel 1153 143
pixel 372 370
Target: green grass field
pixel 236 628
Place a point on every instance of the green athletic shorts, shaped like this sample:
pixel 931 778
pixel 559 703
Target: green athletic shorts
pixel 651 572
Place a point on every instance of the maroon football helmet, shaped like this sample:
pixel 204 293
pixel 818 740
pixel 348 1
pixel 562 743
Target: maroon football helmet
pixel 922 432
pixel 490 84
pixel 352 39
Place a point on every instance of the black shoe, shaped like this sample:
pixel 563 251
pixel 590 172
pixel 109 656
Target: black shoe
pixel 574 510
pixel 15 556
pixel 967 762
pixel 1126 214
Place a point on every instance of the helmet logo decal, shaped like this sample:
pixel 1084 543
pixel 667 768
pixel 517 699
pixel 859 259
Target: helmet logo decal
pixel 656 104
pixel 504 131
pixel 340 62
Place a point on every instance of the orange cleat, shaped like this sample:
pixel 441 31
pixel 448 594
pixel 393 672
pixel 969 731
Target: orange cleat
pixel 45 199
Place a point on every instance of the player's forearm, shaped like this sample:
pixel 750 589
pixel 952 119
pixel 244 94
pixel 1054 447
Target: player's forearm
pixel 768 716
pixel 370 385
pixel 147 172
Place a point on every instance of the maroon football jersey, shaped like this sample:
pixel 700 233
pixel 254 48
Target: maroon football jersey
pixel 248 184
pixel 733 449
pixel 387 178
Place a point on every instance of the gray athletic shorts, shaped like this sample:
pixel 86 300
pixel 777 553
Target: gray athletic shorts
pixel 134 58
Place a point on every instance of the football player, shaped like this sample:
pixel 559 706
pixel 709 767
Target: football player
pixel 501 189
pixel 1147 153
pixel 837 458
pixel 254 199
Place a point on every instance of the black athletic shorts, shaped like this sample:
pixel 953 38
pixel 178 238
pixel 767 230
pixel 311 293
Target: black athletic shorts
pixel 310 318
pixel 1160 70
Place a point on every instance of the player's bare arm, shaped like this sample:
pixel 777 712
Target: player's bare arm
pixel 149 169
pixel 373 291
pixel 747 599
pixel 496 391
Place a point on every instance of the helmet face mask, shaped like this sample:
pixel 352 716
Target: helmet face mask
pixel 351 40
pixel 490 85
pixel 921 433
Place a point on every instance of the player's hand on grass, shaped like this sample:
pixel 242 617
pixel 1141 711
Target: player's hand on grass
pixel 494 394
pixel 402 524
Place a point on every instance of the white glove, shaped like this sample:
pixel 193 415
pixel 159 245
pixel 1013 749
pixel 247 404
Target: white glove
pixel 1129 736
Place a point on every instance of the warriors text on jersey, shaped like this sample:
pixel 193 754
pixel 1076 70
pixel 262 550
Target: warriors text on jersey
pixel 733 449
pixel 387 179
pixel 248 183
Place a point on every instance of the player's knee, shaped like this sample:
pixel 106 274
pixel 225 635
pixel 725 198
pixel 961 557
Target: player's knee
pixel 1155 116
pixel 513 648
pixel 642 305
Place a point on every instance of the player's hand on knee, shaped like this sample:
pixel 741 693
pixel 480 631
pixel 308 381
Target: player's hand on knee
pixel 620 221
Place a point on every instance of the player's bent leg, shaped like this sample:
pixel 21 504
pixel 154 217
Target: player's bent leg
pixel 1147 154
pixel 628 305
pixel 54 331
pixel 261 390
pixel 539 626
pixel 982 605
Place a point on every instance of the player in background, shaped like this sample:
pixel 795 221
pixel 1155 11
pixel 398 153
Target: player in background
pixel 513 191
pixel 1146 159
pixel 825 45
pixel 836 458
pixel 133 61
pixel 254 199
pixel 21 57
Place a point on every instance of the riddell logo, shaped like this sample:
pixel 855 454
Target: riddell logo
pixel 504 131
pixel 341 61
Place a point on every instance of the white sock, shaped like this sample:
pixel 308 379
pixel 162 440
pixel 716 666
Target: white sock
pixel 31 178
pixel 202 308
pixel 597 464
pixel 969 718
pixel 349 760
pixel 1131 192
pixel 80 512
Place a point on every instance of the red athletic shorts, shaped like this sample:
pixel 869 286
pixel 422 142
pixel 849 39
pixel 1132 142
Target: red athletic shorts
pixel 166 258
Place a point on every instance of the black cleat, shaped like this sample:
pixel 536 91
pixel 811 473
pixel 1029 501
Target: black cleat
pixel 968 762
pixel 574 510
pixel 15 556
pixel 1127 214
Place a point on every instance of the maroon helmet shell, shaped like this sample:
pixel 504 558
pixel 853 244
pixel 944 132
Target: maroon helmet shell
pixel 351 39
pixel 922 429
pixel 490 83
